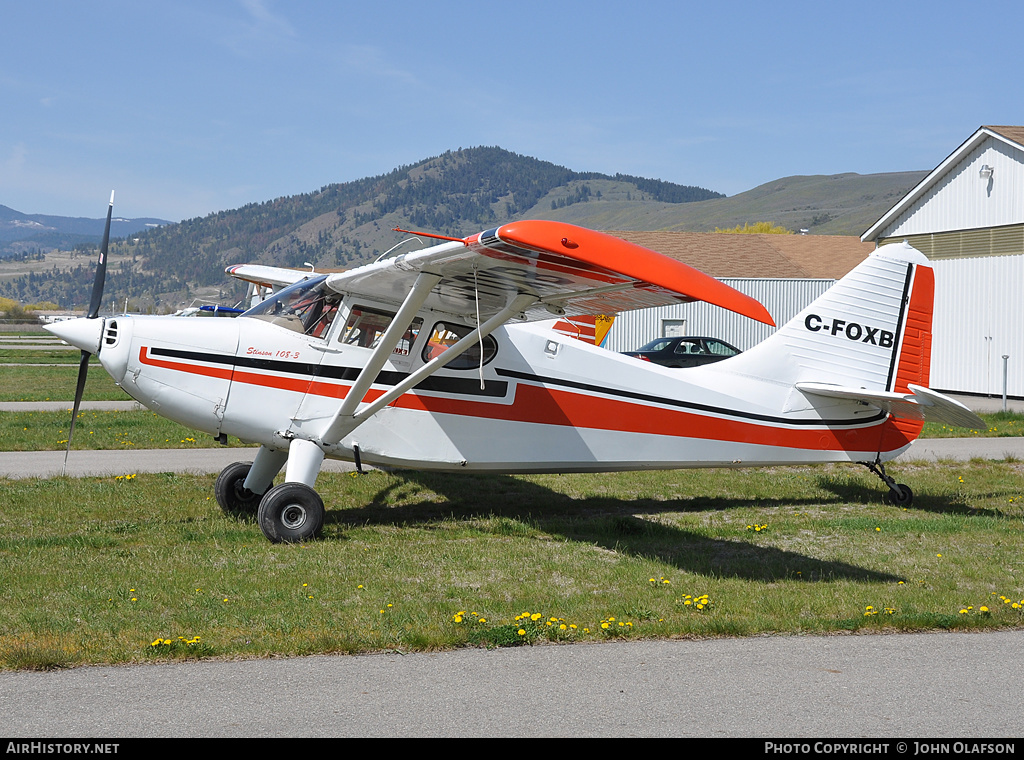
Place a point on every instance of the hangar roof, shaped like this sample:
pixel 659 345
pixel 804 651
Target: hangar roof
pixel 775 256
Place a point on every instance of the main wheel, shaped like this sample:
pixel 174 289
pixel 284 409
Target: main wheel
pixel 234 498
pixel 901 495
pixel 291 512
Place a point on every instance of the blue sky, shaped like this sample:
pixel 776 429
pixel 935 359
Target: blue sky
pixel 187 107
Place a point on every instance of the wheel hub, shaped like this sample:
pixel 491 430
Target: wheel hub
pixel 293 516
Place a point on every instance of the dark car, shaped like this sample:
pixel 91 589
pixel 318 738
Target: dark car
pixel 684 352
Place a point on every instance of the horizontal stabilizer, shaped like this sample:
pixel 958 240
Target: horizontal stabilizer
pixel 920 404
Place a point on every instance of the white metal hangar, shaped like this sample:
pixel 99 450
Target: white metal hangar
pixel 967 216
pixel 783 272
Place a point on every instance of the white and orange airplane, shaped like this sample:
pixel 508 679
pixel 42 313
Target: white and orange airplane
pixel 445 359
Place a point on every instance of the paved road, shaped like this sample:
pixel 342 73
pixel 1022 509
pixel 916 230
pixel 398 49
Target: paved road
pixel 960 686
pixel 47 464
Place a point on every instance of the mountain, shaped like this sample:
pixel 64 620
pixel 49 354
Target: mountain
pixel 23 232
pixel 457 193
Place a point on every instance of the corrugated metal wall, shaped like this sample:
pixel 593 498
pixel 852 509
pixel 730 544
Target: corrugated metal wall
pixel 979 316
pixel 783 298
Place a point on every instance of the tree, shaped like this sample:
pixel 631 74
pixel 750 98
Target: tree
pixel 757 228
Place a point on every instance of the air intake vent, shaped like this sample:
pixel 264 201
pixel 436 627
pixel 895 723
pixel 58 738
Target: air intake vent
pixel 110 333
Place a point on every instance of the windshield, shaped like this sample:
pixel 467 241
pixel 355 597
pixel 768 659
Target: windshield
pixel 306 307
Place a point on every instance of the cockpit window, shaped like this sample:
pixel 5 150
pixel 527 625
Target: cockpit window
pixel 306 307
pixel 446 334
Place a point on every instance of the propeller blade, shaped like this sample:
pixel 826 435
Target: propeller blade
pixel 101 268
pixel 83 371
pixel 94 312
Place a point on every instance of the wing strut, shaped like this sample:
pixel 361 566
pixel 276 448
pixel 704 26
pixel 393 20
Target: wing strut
pixel 425 282
pixel 345 422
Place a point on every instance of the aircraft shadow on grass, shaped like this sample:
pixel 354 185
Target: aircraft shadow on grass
pixel 850 490
pixel 608 522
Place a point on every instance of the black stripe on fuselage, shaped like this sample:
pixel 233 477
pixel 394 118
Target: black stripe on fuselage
pixel 647 398
pixel 456 385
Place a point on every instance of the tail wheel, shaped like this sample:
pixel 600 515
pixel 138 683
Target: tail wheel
pixel 232 495
pixel 290 513
pixel 901 495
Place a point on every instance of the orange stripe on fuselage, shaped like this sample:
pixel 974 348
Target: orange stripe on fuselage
pixel 539 405
pixel 546 406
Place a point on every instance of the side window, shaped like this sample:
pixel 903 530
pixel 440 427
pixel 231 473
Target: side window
pixel 365 327
pixel 445 335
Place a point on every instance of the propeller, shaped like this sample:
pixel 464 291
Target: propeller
pixel 93 313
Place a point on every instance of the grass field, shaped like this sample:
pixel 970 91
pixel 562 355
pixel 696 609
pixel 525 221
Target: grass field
pixel 31 383
pixel 131 569
pixel 141 568
pixel 99 430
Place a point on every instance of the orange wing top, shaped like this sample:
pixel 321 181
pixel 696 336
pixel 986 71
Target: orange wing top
pixel 559 247
pixel 570 270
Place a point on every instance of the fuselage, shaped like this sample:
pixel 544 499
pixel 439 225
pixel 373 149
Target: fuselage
pixel 541 402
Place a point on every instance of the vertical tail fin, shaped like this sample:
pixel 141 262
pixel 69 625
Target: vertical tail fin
pixel 870 330
pixel 868 339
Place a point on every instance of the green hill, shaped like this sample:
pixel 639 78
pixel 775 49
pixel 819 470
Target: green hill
pixel 839 204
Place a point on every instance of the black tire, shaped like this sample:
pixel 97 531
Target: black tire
pixel 233 497
pixel 290 513
pixel 901 495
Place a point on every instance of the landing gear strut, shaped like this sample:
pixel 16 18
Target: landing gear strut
pixel 899 494
pixel 287 513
